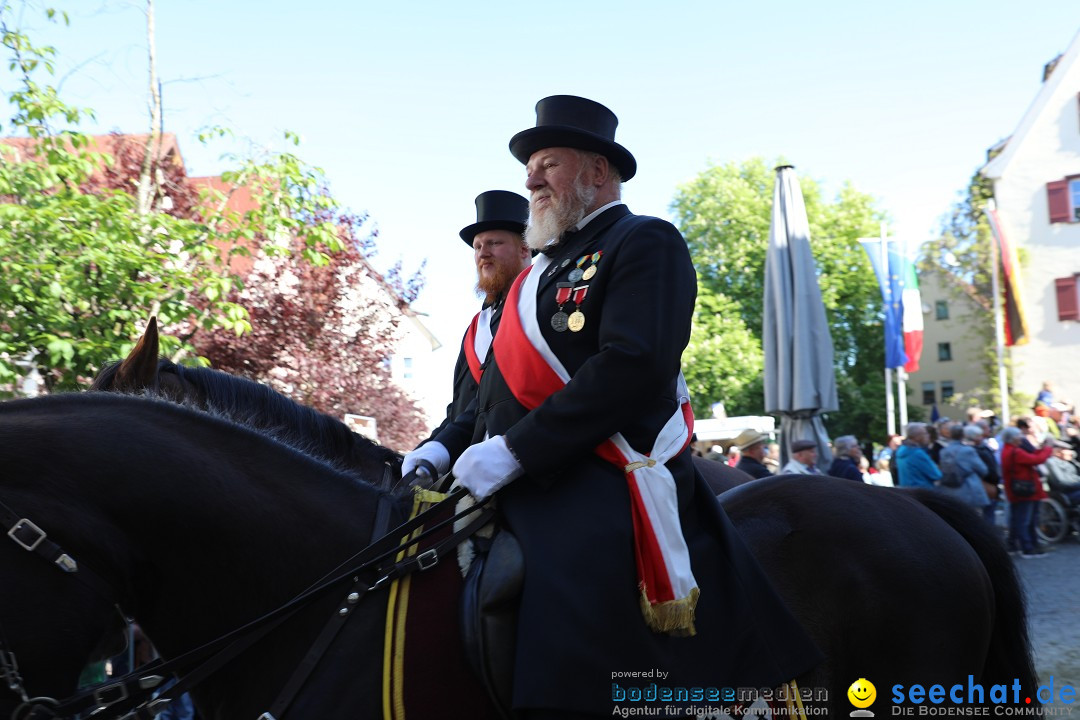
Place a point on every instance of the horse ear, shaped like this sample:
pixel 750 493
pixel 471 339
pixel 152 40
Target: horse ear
pixel 139 368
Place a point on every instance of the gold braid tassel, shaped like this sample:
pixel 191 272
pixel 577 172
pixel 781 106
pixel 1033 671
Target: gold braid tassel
pixel 675 617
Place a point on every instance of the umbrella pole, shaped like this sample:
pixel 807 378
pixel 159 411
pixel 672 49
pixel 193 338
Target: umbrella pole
pixel 901 393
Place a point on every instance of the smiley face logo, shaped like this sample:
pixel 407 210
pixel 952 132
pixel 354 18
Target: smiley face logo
pixel 862 693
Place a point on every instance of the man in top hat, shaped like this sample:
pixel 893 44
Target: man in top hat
pixel 500 254
pixel 751 444
pixel 803 459
pixel 583 428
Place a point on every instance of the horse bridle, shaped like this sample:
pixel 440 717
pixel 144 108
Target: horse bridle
pixel 31 538
pixel 130 697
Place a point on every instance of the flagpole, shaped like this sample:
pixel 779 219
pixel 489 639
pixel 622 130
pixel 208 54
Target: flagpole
pixel 901 373
pixel 890 410
pixel 999 330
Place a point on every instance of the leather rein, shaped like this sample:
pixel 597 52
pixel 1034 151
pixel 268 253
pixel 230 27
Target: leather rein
pixel 131 697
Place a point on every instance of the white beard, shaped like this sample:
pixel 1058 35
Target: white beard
pixel 544 228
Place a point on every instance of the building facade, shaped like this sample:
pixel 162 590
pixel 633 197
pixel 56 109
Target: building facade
pixel 1036 179
pixel 955 339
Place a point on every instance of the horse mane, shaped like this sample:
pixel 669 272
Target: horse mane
pixel 258 406
pixel 267 411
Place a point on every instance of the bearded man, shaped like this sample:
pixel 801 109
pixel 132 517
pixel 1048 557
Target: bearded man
pixel 583 426
pixel 500 254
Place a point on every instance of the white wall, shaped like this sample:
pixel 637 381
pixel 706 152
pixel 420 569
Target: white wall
pixel 1045 148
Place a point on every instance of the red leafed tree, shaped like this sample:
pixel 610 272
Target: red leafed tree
pixel 324 335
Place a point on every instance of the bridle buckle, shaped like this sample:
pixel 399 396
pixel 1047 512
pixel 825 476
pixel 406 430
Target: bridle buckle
pixel 427 559
pixel 19 527
pixel 110 694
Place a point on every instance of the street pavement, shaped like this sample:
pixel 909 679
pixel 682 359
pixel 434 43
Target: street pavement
pixel 1052 587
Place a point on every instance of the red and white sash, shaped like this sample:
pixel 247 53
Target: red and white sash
pixel 477 342
pixel 669 591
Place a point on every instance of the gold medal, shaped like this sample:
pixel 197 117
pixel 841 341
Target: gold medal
pixel 576 321
pixel 589 272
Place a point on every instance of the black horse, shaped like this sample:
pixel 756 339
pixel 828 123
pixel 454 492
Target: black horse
pixel 899 588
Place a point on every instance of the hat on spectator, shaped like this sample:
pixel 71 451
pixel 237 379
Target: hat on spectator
pixel 800 445
pixel 747 438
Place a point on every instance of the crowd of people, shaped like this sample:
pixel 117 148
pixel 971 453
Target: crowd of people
pixel 997 470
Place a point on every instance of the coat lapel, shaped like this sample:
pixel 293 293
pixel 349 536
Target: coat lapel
pixel 577 243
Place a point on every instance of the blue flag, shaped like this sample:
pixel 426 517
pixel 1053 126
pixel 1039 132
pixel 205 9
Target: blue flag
pixel 892 295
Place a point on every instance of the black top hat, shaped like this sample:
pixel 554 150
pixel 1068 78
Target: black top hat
pixel 574 122
pixel 497 210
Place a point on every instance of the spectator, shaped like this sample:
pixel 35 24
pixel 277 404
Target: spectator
pixel 751 444
pixel 772 458
pixel 940 435
pixel 961 462
pixel 1063 472
pixel 733 455
pixel 803 459
pixel 847 453
pixel 1046 394
pixel 888 453
pixel 1023 488
pixel 883 476
pixel 916 467
pixel 992 481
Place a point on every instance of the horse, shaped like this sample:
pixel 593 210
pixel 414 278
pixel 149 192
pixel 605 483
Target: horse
pixel 847 558
pixel 198 524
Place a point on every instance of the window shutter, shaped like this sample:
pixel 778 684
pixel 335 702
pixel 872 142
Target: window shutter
pixel 1068 303
pixel 1057 195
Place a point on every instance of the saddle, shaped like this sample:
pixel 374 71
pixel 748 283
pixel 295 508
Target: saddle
pixel 489 613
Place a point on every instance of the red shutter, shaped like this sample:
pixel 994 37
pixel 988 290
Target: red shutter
pixel 1057 195
pixel 1068 302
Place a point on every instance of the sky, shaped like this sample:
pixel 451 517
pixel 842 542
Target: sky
pixel 408 106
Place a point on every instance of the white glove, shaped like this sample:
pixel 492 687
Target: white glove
pixel 485 467
pixel 434 452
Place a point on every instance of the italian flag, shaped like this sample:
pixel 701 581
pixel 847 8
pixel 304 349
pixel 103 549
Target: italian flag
pixel 913 320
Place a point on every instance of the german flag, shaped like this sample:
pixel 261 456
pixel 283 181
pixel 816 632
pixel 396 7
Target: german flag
pixel 1016 326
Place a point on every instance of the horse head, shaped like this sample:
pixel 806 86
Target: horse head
pixel 193 525
pixel 143 371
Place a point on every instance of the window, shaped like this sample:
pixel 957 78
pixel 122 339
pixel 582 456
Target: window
pixel 1063 199
pixel 1068 301
pixel 944 352
pixel 408 367
pixel 946 390
pixel 929 396
pixel 941 310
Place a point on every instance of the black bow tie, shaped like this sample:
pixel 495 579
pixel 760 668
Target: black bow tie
pixel 553 249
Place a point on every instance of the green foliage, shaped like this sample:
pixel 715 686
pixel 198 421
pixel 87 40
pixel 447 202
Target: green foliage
pixel 723 360
pixel 82 268
pixel 725 214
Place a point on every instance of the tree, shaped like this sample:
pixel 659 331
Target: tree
pixel 724 214
pixel 93 242
pixel 81 268
pixel 324 334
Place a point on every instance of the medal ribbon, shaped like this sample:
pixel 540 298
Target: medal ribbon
pixel 532 372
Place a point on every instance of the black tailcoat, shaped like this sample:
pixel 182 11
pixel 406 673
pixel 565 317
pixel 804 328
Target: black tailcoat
pixel 580 620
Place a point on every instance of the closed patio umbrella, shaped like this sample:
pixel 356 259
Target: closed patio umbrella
pixel 800 383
